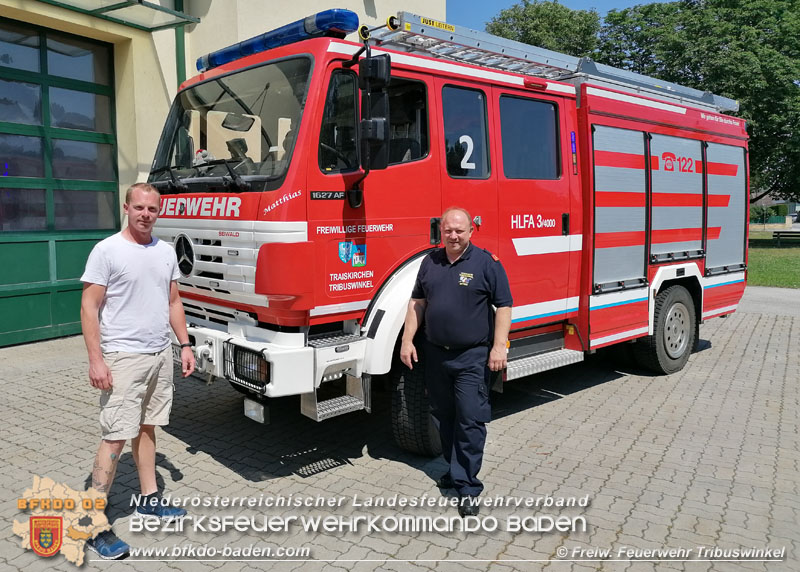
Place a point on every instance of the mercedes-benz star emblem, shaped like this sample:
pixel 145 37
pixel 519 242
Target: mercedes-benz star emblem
pixel 185 252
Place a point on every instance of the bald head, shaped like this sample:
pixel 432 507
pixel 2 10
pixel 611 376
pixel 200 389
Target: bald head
pixel 456 211
pixel 456 231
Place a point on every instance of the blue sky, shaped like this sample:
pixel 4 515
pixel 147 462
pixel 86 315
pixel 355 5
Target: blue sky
pixel 475 13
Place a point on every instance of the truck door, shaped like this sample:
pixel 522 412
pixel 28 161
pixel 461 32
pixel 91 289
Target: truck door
pixel 539 236
pixel 468 179
pixel 358 248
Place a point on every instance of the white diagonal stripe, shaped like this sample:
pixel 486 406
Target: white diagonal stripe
pixel 544 309
pixel 530 245
pixel 717 311
pixel 635 100
pixel 619 336
pixel 433 64
pixel 723 279
pixel 618 298
pixel 339 308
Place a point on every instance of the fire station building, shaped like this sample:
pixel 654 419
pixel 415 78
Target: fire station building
pixel 85 86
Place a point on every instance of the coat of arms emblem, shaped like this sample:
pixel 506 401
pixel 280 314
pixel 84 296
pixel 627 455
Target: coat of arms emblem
pixel 46 534
pixel 345 251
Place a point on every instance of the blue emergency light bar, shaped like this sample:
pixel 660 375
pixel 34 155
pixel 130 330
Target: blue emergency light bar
pixel 336 22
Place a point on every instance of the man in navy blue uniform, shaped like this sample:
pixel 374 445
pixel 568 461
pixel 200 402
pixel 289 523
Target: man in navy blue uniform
pixel 456 288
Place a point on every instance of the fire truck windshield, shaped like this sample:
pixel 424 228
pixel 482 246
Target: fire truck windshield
pixel 241 125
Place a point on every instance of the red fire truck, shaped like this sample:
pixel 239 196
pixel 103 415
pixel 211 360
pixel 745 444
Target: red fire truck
pixel 302 178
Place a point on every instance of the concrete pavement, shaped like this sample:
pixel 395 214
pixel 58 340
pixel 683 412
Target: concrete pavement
pixel 707 457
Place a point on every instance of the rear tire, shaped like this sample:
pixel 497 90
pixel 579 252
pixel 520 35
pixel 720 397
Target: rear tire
pixel 412 425
pixel 674 333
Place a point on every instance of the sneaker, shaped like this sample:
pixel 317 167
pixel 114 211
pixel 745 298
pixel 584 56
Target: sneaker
pixel 108 546
pixel 154 508
pixel 468 506
pixel 445 482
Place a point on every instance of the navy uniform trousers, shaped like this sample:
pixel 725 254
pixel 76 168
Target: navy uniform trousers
pixel 458 390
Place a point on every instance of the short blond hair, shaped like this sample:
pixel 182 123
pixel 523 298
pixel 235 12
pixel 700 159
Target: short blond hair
pixel 144 187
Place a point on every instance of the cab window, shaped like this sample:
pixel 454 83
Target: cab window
pixel 466 135
pixel 529 137
pixel 408 120
pixel 337 139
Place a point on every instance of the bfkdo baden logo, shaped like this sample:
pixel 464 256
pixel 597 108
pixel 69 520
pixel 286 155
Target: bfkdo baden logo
pixel 46 534
pixel 60 520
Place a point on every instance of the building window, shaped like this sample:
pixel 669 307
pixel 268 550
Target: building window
pixel 57 143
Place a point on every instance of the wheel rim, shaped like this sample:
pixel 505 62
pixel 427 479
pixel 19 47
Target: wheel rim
pixel 677 330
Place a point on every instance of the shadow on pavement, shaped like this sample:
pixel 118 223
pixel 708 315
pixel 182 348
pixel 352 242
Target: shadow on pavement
pixel 210 420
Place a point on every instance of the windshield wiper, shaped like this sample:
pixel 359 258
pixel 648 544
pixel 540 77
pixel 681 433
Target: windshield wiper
pixel 234 180
pixel 174 185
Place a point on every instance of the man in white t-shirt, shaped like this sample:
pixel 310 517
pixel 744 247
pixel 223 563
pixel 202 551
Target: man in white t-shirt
pixel 130 300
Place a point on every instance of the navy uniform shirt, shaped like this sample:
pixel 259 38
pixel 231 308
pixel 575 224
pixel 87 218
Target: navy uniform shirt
pixel 459 297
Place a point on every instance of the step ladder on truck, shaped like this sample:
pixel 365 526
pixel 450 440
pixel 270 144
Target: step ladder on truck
pixel 302 198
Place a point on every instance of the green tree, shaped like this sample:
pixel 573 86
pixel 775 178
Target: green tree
pixel 748 50
pixel 548 25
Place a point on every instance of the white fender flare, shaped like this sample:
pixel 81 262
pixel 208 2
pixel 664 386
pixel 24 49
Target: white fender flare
pixel 665 273
pixel 386 315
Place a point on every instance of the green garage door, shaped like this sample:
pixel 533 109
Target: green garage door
pixel 58 175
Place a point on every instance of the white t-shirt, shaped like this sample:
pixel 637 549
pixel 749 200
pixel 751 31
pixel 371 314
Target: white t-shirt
pixel 134 316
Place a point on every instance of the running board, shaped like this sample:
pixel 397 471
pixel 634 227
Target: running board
pixel 541 362
pixel 356 399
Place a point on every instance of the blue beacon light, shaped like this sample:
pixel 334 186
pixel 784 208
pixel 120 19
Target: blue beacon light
pixel 336 22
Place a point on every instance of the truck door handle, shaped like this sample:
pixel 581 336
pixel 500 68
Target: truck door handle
pixel 436 231
pixel 477 220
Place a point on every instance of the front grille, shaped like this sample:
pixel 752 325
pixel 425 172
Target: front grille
pixel 216 260
pixel 246 367
pixel 225 254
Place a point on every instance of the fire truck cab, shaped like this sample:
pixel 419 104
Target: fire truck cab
pixel 303 176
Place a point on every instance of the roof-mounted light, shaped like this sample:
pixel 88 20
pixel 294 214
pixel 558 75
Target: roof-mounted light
pixel 336 22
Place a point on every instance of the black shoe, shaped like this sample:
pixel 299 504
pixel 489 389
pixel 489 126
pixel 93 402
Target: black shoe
pixel 468 506
pixel 445 482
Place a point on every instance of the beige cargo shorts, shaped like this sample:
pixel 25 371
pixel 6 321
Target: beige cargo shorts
pixel 141 393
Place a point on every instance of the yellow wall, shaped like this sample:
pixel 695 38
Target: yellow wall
pixel 140 79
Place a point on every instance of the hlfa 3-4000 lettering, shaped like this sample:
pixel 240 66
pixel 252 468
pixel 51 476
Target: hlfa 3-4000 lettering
pixel 532 221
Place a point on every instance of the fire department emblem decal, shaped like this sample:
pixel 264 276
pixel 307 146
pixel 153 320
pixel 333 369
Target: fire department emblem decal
pixel 359 255
pixel 46 534
pixel 185 253
pixel 464 279
pixel 345 251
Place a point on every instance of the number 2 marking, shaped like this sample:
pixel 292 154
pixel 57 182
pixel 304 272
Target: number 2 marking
pixel 465 163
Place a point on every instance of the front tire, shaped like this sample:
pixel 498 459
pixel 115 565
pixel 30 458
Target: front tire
pixel 413 428
pixel 674 333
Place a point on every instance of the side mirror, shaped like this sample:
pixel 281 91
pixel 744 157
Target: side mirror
pixel 375 71
pixel 374 131
pixel 374 74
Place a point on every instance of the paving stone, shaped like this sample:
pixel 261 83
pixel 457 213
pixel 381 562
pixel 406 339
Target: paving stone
pixel 709 456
